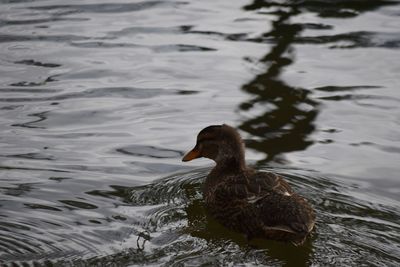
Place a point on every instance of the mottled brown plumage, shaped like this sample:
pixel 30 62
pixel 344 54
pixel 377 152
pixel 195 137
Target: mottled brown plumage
pixel 258 204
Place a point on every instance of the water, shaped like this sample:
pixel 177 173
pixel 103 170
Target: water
pixel 100 100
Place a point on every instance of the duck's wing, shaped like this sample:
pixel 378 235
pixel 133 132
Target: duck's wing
pixel 251 186
pixel 279 207
pixel 261 183
pixel 292 212
pixel 268 200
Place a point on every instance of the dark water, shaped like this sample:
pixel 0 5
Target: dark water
pixel 99 101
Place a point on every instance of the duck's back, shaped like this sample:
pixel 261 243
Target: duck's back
pixel 259 204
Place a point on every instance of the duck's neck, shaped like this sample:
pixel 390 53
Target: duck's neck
pixel 231 165
pixel 230 157
pixel 223 170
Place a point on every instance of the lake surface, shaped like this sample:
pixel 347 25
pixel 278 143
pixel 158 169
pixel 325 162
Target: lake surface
pixel 100 100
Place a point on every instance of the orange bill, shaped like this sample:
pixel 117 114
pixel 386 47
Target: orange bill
pixel 193 154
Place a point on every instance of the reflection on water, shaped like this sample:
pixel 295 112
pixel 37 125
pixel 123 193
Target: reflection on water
pixel 288 112
pixel 98 101
pixel 288 120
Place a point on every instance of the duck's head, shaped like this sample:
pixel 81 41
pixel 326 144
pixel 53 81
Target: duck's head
pixel 221 143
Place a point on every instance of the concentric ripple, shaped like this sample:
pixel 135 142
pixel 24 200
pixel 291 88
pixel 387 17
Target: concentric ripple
pixel 165 223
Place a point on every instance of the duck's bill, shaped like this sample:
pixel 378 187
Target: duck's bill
pixel 193 154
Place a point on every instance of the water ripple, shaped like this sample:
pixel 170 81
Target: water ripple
pixel 104 7
pixel 121 92
pixel 149 151
pixel 31 62
pixel 360 39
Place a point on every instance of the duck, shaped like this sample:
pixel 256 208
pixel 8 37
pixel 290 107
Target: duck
pixel 257 204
